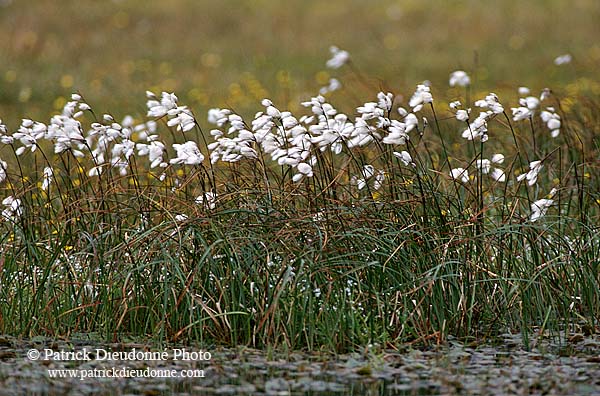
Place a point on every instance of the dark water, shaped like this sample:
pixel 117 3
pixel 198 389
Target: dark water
pixel 570 366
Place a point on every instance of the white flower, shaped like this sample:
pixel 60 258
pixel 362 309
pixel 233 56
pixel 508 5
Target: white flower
pixel 462 115
pixel 319 107
pixel 526 109
pixel 338 57
pixel 369 173
pixel 552 121
pixel 147 131
pixel 492 103
pixel 379 179
pixel 531 176
pixel 273 112
pixel 421 97
pixel 539 208
pixel 3 168
pixel 319 216
pixel 370 110
pixel 363 134
pixel 411 122
pixel 521 113
pixel 236 148
pixel 483 165
pixel 160 108
pixel 459 78
pixel 288 120
pixel 128 121
pixel 4 138
pixel 460 174
pixel 378 110
pixel 184 120
pixel 385 101
pixel 478 128
pixel 188 153
pixel 397 135
pixel 332 133
pixel 545 94
pixel 531 102
pixel 524 91
pixel 208 200
pixel 304 169
pixel 334 85
pixel 181 217
pixel 498 175
pixel 48 176
pixel 218 116
pixel 69 110
pixel 28 134
pixel 232 150
pixel 563 59
pixel 498 158
pixel 66 134
pixel 154 150
pixel 125 148
pixel 405 157
pixel 13 209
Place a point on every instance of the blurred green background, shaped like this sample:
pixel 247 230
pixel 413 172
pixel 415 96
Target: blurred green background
pixel 234 53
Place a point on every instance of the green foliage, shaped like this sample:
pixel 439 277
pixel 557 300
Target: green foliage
pixel 288 264
pixel 314 264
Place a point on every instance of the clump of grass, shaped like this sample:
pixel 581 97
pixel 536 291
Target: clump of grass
pixel 323 231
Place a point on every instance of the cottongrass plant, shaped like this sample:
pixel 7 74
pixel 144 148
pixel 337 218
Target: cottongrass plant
pixel 396 222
